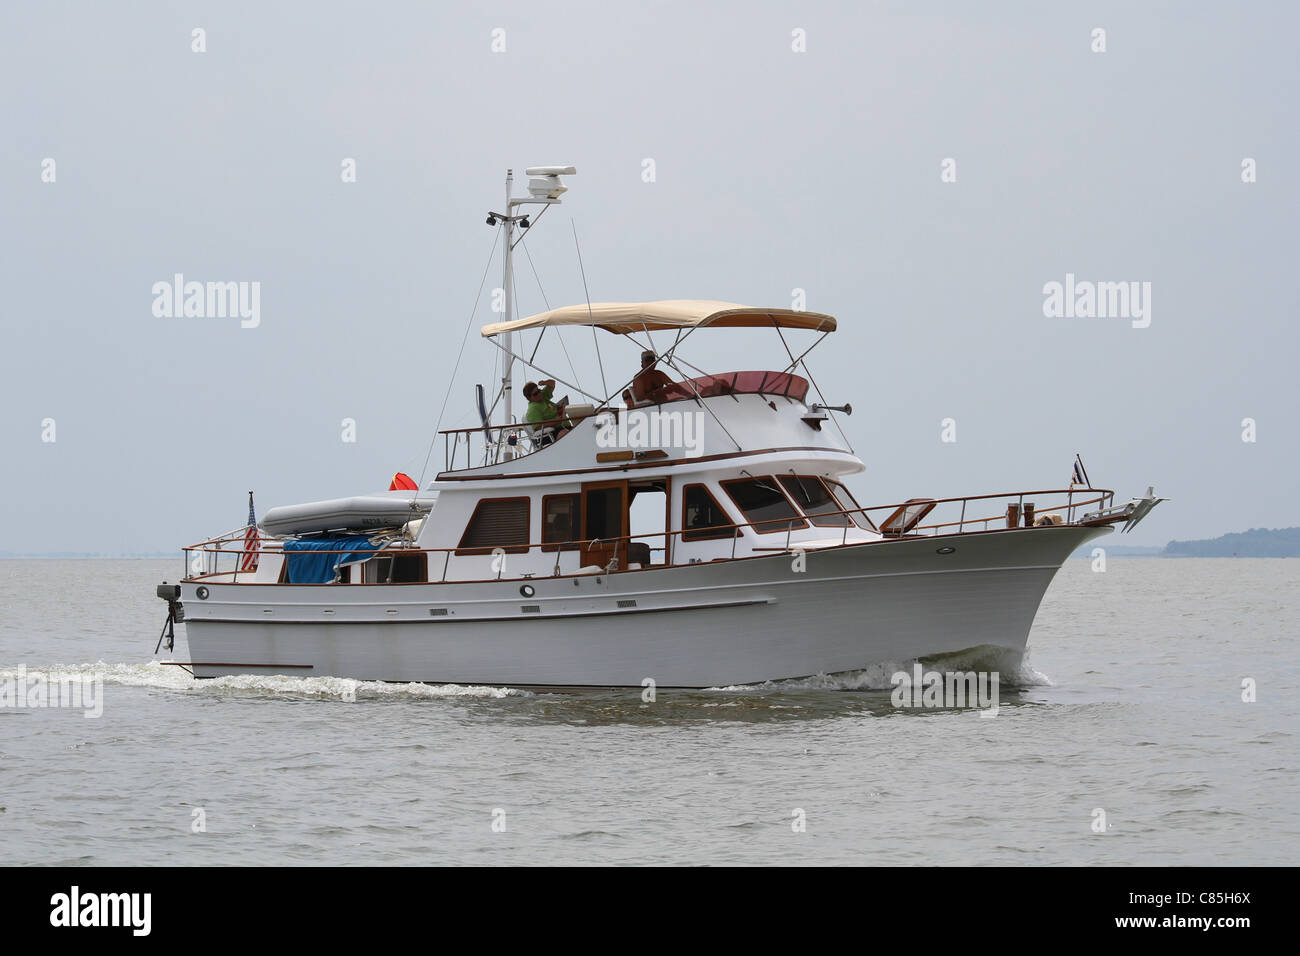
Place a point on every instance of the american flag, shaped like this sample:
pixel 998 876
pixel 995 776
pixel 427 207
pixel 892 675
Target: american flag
pixel 249 560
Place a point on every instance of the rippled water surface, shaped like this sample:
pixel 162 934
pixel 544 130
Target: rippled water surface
pixel 1130 702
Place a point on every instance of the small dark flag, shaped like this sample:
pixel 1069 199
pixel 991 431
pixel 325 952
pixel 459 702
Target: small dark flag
pixel 1080 473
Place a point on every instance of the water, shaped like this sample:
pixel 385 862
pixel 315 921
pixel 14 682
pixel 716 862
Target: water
pixel 1130 702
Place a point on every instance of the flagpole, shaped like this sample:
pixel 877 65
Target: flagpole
pixel 252 542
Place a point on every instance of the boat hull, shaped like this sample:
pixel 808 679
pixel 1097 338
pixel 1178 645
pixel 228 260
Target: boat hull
pixel 705 625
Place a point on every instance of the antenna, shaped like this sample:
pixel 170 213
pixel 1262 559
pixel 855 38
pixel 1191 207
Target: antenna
pixel 544 189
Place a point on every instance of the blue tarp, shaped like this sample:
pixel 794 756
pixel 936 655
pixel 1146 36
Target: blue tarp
pixel 308 566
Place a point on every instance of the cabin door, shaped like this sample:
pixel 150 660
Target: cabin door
pixel 604 523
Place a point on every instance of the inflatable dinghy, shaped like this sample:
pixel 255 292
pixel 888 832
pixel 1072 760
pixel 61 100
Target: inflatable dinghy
pixel 374 512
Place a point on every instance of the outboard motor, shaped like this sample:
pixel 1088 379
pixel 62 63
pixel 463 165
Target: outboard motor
pixel 171 593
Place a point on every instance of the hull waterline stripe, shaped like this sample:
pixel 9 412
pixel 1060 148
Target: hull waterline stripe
pixel 223 664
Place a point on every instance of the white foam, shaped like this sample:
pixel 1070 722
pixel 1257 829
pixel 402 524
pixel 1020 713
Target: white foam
pixel 873 677
pixel 167 677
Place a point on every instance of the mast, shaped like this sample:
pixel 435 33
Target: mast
pixel 544 189
pixel 507 391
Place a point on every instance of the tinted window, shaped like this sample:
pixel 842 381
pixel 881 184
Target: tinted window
pixel 701 513
pixel 764 505
pixel 560 515
pixel 847 502
pixel 398 569
pixel 815 500
pixel 605 514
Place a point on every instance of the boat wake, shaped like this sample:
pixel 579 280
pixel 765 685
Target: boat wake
pixel 162 676
pixel 1013 670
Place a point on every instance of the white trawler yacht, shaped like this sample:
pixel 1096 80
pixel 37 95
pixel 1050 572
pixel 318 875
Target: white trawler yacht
pixel 519 563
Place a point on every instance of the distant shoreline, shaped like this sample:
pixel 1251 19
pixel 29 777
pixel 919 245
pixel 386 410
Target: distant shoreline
pixel 1255 543
pixel 89 556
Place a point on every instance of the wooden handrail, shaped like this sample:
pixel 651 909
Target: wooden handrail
pixel 236 537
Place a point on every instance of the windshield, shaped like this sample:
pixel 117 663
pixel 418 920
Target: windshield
pixel 815 499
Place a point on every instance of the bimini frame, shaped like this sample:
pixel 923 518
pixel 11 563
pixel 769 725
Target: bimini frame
pixel 681 315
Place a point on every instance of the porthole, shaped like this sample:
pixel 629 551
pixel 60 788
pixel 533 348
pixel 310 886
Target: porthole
pixel 947 550
pixel 527 590
pixel 201 593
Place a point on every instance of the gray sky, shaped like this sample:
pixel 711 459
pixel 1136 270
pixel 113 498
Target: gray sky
pixel 774 170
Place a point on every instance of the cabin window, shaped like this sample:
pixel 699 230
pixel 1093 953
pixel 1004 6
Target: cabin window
pixel 560 521
pixel 702 516
pixel 764 505
pixel 397 569
pixel 815 499
pixel 497 523
pixel 847 502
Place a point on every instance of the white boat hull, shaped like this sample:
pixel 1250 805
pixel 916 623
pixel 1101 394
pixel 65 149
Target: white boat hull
pixel 703 625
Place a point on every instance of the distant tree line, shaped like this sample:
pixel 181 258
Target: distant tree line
pixel 1255 543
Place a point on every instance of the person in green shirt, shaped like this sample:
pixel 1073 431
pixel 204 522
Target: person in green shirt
pixel 542 409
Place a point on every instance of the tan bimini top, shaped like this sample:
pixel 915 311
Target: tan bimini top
pixel 624 318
